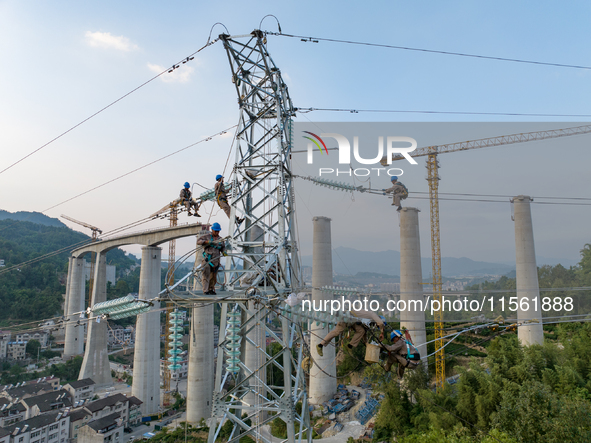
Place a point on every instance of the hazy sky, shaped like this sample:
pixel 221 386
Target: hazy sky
pixel 63 61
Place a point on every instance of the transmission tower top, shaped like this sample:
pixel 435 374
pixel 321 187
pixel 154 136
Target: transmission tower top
pixel 264 250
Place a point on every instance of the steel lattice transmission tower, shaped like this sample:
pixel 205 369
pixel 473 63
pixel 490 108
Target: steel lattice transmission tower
pixel 262 266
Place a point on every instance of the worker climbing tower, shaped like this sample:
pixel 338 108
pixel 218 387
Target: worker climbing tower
pixel 262 266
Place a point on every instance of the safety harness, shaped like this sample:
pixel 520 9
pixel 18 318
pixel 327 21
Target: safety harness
pixel 404 194
pixel 208 256
pixel 221 195
pixel 185 194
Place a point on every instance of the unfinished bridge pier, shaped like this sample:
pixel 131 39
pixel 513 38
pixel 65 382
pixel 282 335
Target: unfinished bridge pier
pixel 527 273
pixel 411 277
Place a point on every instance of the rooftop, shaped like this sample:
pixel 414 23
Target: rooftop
pixel 105 422
pixel 49 401
pixel 35 422
pixel 104 402
pixel 28 390
pixel 78 414
pixel 134 401
pixel 81 383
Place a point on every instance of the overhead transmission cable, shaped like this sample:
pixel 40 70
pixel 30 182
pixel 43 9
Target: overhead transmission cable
pixel 167 70
pixel 416 111
pixel 431 51
pixel 141 167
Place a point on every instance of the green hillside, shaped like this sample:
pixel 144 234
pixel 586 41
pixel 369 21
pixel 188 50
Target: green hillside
pixel 35 291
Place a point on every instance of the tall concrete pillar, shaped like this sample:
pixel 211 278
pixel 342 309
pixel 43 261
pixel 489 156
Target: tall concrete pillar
pixel 96 358
pixel 411 276
pixel 146 359
pixel 527 272
pixel 74 335
pixel 323 382
pixel 254 355
pixel 201 368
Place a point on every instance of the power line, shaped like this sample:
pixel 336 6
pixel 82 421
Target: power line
pixel 431 51
pixel 408 111
pixel 206 139
pixel 142 167
pixel 170 69
pixel 414 111
pixel 501 195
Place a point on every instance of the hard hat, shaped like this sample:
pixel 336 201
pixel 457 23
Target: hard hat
pixel 395 333
pixel 216 227
pixel 217 177
pixel 187 185
pixel 394 178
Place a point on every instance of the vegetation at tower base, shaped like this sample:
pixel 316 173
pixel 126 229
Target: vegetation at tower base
pixel 531 394
pixel 35 291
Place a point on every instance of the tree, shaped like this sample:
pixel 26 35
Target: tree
pixel 33 347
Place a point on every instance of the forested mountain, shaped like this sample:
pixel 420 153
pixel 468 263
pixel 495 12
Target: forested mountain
pixel 34 290
pixel 33 217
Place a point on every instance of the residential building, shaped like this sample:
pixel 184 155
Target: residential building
pixel 118 335
pixel 41 404
pixel 118 403
pixel 4 436
pixel 53 427
pixel 41 336
pixel 177 375
pixel 78 419
pixel 52 380
pixel 108 429
pixel 135 412
pixel 80 390
pixel 10 412
pixel 5 338
pixel 16 350
pixel 24 390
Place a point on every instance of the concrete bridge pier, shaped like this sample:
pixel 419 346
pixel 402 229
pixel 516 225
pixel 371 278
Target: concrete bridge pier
pixel 527 272
pixel 200 370
pixel 74 335
pixel 323 384
pixel 146 361
pixel 411 276
pixel 96 360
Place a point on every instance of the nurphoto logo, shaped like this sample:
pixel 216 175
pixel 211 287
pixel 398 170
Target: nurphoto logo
pixel 396 148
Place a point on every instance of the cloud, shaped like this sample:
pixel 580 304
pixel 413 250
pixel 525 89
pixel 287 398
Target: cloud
pixel 179 75
pixel 107 41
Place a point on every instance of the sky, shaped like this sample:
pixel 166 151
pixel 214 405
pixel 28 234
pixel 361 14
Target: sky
pixel 64 61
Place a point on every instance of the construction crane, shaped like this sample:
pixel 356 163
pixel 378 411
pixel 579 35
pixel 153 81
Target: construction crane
pixel 433 179
pixel 95 233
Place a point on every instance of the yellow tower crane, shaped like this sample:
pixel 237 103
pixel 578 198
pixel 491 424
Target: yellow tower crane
pixel 95 233
pixel 433 180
